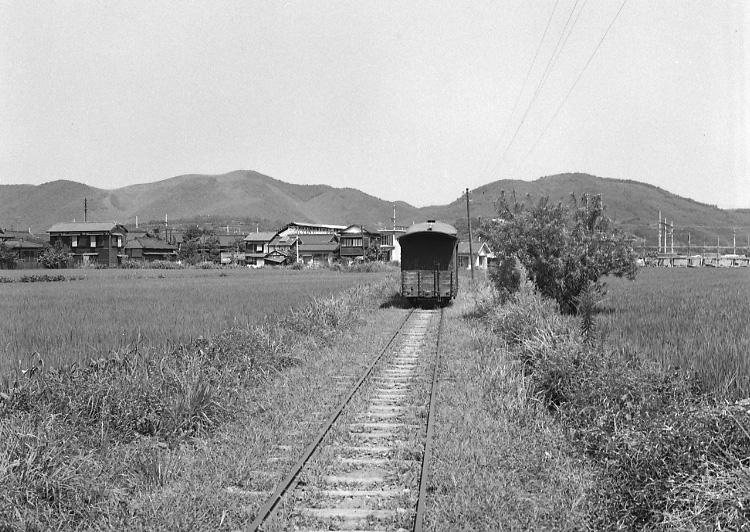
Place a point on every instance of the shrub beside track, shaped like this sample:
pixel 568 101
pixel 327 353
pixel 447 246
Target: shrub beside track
pixel 646 448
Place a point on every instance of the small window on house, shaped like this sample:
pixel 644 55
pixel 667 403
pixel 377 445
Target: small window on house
pixel 93 241
pixel 119 241
pixel 74 241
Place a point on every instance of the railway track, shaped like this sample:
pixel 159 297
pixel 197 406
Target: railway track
pixel 367 468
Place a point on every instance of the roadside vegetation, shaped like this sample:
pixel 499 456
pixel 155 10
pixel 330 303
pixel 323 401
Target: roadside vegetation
pixel 565 248
pixel 127 440
pixel 562 409
pixel 545 424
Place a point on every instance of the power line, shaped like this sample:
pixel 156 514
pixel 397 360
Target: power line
pixel 576 81
pixel 515 105
pixel 550 65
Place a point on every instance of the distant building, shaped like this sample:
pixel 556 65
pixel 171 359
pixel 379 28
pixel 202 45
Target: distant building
pixel 481 252
pixel 317 249
pixel 389 245
pixel 149 249
pixel 99 242
pixel 354 242
pixel 305 228
pixel 257 247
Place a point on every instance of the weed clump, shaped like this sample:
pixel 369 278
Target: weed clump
pixel 79 440
pixel 668 455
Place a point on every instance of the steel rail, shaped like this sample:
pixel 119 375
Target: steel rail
pixel 290 479
pixel 428 438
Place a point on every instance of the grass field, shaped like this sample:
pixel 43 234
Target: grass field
pixel 693 318
pixel 109 310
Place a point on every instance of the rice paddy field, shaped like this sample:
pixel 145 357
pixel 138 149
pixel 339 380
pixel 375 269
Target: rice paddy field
pixel 696 319
pixel 96 312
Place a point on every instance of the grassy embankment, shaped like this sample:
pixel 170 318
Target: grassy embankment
pixel 179 438
pixel 540 430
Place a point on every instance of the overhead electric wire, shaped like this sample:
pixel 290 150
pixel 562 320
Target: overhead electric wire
pixel 565 41
pixel 523 87
pixel 574 83
pixel 550 65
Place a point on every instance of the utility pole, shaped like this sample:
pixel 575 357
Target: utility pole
pixel 362 233
pixel 688 244
pixel 658 239
pixel 671 237
pixel 734 241
pixel 471 251
pixel 85 208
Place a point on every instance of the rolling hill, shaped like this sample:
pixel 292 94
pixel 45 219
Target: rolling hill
pixel 239 195
pixel 634 206
pixel 249 195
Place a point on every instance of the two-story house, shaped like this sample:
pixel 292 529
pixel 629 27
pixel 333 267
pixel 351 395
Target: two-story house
pixel 99 242
pixel 257 246
pixel 354 242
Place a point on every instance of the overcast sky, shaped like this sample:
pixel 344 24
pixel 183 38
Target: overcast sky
pixel 410 101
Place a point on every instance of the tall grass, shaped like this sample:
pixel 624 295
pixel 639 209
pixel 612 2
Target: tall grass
pixel 695 319
pixel 669 457
pixel 79 442
pixel 116 310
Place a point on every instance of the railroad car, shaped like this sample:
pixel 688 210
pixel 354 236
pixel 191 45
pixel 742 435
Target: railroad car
pixel 429 265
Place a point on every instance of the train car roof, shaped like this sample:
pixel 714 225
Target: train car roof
pixel 431 227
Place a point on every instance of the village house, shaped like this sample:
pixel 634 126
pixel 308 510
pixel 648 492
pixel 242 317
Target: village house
pixel 354 242
pixel 91 242
pixel 389 246
pixel 304 228
pixel 257 247
pixel 26 247
pixel 149 249
pixel 231 249
pixel 317 249
pixel 481 252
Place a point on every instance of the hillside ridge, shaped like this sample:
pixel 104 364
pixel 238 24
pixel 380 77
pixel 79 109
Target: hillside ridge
pixel 261 201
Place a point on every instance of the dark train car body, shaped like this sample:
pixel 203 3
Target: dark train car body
pixel 429 265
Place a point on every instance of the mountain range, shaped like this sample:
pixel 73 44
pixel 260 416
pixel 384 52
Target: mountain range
pixel 253 200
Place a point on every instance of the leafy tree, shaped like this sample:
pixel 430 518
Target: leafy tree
pixel 373 253
pixel 55 257
pixel 192 233
pixel 213 246
pixel 565 249
pixel 188 251
pixel 8 257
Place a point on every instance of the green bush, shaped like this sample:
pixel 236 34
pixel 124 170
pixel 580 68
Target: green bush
pixel 507 277
pixel 8 257
pixel 563 248
pixel 669 457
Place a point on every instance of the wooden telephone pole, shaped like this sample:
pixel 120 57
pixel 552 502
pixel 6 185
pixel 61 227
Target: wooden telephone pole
pixel 471 251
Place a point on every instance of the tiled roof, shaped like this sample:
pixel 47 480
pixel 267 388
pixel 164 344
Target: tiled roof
pixel 149 243
pixel 263 236
pixel 463 247
pixel 22 244
pixel 320 226
pixel 316 239
pixel 229 240
pixel 357 229
pixel 320 248
pixel 84 227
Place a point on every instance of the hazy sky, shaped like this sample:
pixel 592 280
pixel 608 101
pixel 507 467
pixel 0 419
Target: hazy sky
pixel 404 100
